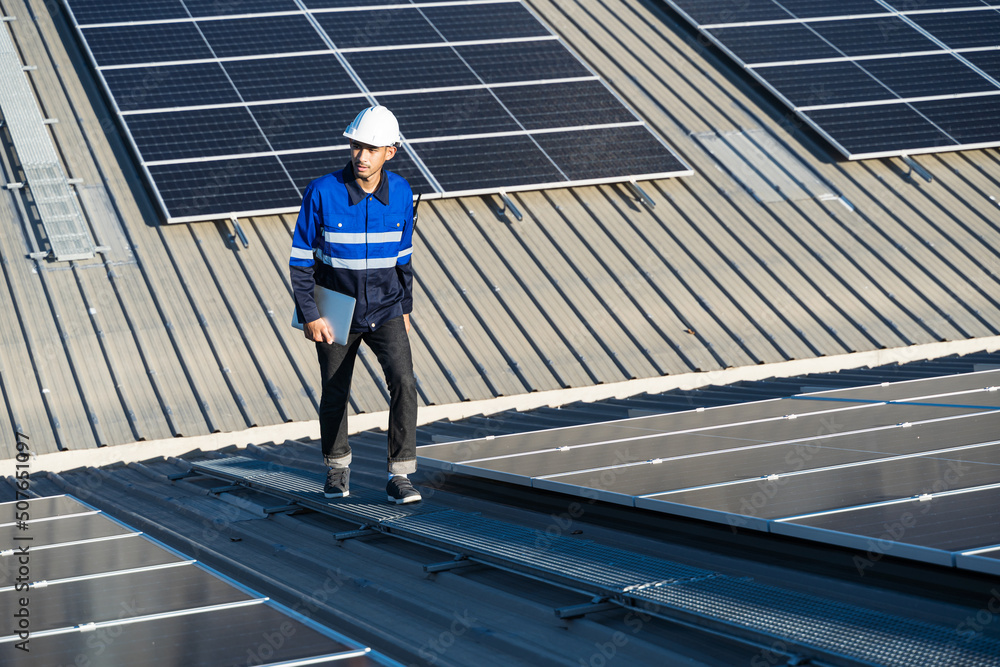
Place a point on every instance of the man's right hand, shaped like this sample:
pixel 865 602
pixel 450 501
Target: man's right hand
pixel 318 331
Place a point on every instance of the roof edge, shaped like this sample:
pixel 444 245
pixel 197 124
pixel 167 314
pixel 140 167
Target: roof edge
pixel 259 435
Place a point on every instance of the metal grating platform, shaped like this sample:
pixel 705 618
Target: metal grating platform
pixel 834 629
pixel 367 506
pixel 60 212
pixel 578 562
pixel 816 628
pixel 237 467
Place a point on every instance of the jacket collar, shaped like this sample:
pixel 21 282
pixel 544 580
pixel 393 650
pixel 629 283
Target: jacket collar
pixel 356 195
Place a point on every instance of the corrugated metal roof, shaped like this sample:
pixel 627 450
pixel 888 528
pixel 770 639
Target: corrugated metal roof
pixel 180 330
pixel 375 585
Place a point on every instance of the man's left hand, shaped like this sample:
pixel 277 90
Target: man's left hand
pixel 406 321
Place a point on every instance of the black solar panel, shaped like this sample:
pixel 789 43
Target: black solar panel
pixel 290 77
pixel 836 466
pixel 471 164
pixel 385 27
pixel 812 84
pixel 102 593
pixel 411 69
pixel 234 107
pixel 240 184
pixel 139 88
pixel 963 30
pixel 129 44
pixel 875 79
pixel 805 9
pixel 176 135
pixel 297 125
pixel 472 111
pixel 927 76
pixel 104 11
pixel 229 7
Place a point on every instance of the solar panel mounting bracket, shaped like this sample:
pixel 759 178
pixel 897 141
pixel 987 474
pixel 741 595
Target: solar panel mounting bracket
pixel 239 230
pixel 455 563
pixel 283 509
pixel 363 531
pixel 508 205
pixel 598 604
pixel 640 194
pixel 915 167
pixel 225 489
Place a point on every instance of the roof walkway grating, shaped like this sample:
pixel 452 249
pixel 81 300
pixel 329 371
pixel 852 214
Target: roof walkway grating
pixel 817 628
pixel 852 633
pixel 60 212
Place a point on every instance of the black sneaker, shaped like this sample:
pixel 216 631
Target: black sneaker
pixel 400 490
pixel 336 483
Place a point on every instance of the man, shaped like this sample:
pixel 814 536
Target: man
pixel 354 236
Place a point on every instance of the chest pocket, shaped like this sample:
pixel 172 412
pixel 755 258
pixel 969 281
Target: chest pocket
pixel 387 230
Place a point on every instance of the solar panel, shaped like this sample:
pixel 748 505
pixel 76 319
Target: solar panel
pixel 83 588
pixel 827 466
pixel 232 108
pixel 936 529
pixel 875 78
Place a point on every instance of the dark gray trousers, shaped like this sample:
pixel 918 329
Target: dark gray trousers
pixel 391 346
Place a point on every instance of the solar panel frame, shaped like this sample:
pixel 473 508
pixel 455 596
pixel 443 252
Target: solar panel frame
pixel 872 525
pixel 837 453
pixel 368 77
pixel 864 125
pixel 205 619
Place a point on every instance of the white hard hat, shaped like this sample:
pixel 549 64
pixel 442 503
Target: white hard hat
pixel 375 126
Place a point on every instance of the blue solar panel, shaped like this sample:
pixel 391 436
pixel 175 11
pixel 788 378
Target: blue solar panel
pixel 877 36
pixel 811 84
pixel 129 44
pixel 522 61
pixel 587 154
pixel 843 70
pixel 176 135
pixel 294 125
pixel 714 12
pixel 928 76
pixel 963 30
pixel 509 20
pixel 230 7
pixel 261 36
pixel 474 111
pixel 367 29
pixel 575 103
pixel 970 121
pixel 878 128
pixel 164 86
pixel 784 42
pixel 987 61
pixel 189 189
pixel 805 9
pixel 408 69
pixel 268 87
pixel 307 167
pixel 291 77
pixel 119 11
pixel 470 164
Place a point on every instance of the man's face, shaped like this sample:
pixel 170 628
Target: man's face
pixel 368 160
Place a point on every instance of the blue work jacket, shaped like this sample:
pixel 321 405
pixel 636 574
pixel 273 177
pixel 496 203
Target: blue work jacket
pixel 355 243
